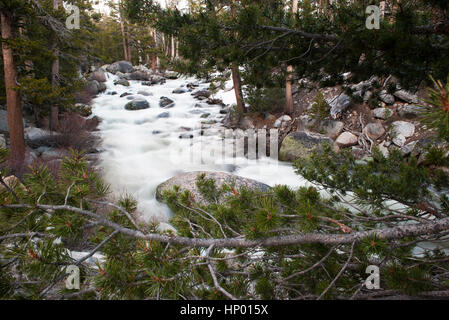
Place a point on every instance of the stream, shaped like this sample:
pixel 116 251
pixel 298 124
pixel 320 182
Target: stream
pixel 143 148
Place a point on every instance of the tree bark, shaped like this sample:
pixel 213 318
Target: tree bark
pixel 289 109
pixel 154 56
pixel 13 100
pixel 129 43
pixel 238 89
pixel 237 80
pixel 122 28
pixel 54 111
pixel 173 53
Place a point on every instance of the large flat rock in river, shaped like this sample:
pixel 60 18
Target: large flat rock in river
pixel 187 181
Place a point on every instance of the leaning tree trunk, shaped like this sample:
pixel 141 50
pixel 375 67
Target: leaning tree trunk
pixel 238 89
pixel 13 101
pixel 54 110
pixel 289 81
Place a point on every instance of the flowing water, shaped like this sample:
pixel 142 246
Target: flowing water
pixel 142 149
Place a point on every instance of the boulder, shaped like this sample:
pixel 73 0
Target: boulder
pixel 166 103
pixel 383 149
pixel 180 90
pixel 374 130
pixel 202 93
pixel 144 93
pixel 155 79
pixel 92 87
pixel 164 115
pixel 347 139
pixel 140 75
pixel 301 143
pixel 98 75
pixel 246 123
pixel 408 148
pixel 410 111
pixel 281 121
pixel 406 96
pixel 192 85
pixel 101 87
pixel 307 122
pixel 382 113
pixel 399 141
pixel 122 82
pixel 332 128
pixel 215 102
pixel 386 97
pixel 339 105
pixel 32 133
pixel 403 128
pixel 120 66
pixel 124 94
pixel 137 104
pixel 188 181
pixel 367 96
pixel 171 75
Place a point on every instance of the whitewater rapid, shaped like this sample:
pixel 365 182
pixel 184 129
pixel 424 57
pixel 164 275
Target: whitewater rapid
pixel 141 149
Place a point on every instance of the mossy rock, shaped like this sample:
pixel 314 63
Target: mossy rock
pixel 301 144
pixel 188 181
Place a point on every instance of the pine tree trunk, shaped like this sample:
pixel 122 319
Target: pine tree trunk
pixel 172 51
pixel 13 100
pixel 237 80
pixel 54 110
pixel 122 29
pixel 238 89
pixel 289 109
pixel 154 63
pixel 154 56
pixel 129 43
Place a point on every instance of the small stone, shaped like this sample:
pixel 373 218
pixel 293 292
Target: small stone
pixel 137 104
pixel 403 128
pixel 410 111
pixel 383 149
pixel 339 105
pixel 367 96
pixel 347 139
pixel 374 130
pixel 332 128
pixel 386 97
pixel 281 120
pixel 399 140
pixel 166 103
pixel 382 113
pixel 145 93
pixel 406 96
pixel 180 90
pixel 408 148
pixel 122 82
pixel 164 115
